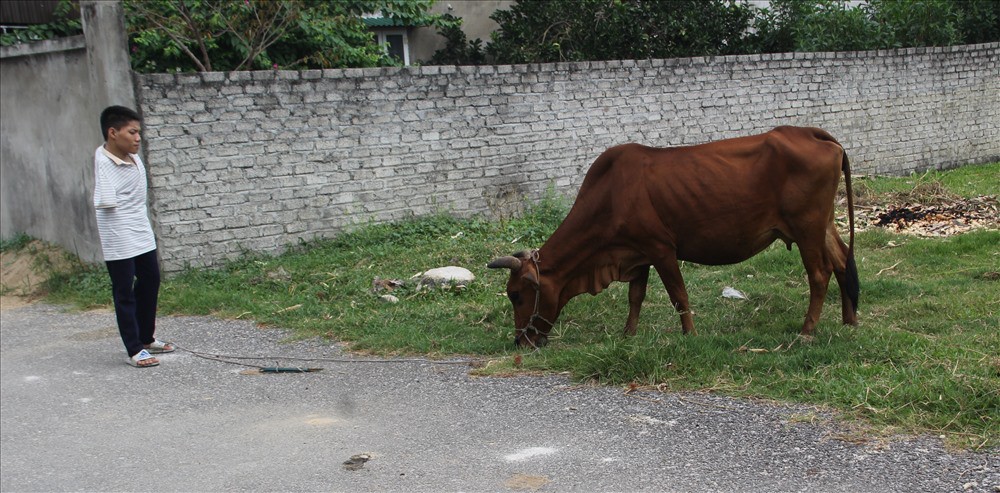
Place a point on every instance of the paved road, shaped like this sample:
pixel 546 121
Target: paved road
pixel 76 417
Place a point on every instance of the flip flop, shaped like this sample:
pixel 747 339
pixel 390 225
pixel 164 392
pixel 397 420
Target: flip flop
pixel 142 360
pixel 159 347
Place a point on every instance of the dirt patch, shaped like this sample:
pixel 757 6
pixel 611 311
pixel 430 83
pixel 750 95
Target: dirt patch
pixel 526 482
pixel 11 302
pixel 23 272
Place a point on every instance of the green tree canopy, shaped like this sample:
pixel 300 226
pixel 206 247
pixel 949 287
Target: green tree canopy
pixel 561 30
pixel 65 22
pixel 219 35
pixel 832 25
pixel 568 30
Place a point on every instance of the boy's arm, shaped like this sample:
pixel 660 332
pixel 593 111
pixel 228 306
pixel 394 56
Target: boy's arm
pixel 104 192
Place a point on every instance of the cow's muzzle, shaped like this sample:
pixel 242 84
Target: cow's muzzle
pixel 535 340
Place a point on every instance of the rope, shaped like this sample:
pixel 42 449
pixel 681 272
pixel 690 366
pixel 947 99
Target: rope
pixel 226 358
pixel 537 315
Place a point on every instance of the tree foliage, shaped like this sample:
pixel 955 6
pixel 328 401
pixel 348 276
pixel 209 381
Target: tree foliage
pixel 458 50
pixel 916 22
pixel 980 21
pixel 66 22
pixel 207 35
pixel 831 25
pixel 219 35
pixel 821 25
pixel 567 30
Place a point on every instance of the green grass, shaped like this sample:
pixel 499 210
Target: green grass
pixel 925 357
pixel 967 181
pixel 49 264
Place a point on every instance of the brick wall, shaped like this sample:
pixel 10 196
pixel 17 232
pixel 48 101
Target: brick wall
pixel 258 160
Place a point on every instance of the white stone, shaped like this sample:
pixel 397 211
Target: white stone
pixel 450 275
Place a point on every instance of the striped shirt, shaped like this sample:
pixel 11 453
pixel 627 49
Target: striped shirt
pixel 120 202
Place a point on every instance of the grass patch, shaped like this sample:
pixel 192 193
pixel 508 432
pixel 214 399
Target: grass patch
pixel 923 359
pixel 31 268
pixel 15 243
pixel 965 182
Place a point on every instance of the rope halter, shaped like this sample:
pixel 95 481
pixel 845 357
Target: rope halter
pixel 536 315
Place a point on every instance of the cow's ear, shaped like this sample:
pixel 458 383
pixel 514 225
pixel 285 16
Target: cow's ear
pixel 532 278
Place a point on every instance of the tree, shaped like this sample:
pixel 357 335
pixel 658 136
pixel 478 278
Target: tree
pixel 567 30
pixel 829 25
pixel 833 25
pixel 172 28
pixel 458 49
pixel 258 25
pixel 211 35
pixel 906 23
pixel 979 21
pixel 66 22
pixel 206 35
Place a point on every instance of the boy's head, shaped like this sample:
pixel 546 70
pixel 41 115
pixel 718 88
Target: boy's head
pixel 117 117
pixel 122 130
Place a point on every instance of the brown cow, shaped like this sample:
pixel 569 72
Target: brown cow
pixel 716 203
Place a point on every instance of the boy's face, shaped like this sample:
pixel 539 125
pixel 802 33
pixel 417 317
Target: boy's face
pixel 126 138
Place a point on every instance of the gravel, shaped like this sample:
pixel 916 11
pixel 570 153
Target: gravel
pixel 76 417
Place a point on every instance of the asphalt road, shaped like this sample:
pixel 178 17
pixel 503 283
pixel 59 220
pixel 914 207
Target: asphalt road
pixel 75 417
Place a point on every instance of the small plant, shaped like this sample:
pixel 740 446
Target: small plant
pixel 15 243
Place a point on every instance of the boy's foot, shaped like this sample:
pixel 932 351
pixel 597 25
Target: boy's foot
pixel 142 359
pixel 159 347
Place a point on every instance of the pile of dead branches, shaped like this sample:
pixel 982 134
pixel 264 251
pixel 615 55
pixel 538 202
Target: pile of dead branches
pixel 944 219
pixel 927 210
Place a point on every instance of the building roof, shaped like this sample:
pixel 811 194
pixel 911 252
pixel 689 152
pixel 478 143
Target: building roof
pixel 382 22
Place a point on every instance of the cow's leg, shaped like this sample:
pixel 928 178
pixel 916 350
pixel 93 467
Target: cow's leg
pixel 839 255
pixel 636 294
pixel 670 274
pixel 818 271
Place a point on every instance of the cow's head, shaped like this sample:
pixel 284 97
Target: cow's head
pixel 532 307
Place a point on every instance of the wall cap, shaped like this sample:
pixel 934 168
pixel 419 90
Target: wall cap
pixel 70 43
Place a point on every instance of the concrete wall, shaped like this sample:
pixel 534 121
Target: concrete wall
pixel 51 96
pixel 259 160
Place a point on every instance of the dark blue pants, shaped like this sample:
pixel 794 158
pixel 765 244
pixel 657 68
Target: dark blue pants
pixel 135 286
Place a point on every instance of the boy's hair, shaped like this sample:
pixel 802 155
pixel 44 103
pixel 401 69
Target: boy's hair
pixel 116 117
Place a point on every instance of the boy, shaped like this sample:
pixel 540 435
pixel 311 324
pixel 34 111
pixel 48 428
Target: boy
pixel 126 235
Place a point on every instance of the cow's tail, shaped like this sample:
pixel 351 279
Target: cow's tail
pixel 853 283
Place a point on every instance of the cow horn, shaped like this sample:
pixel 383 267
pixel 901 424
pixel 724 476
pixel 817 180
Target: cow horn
pixel 507 262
